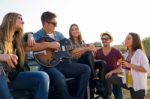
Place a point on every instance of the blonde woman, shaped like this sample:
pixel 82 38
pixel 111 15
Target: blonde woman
pixel 12 59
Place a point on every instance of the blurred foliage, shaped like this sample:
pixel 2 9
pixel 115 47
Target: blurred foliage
pixel 146 44
pixel 120 47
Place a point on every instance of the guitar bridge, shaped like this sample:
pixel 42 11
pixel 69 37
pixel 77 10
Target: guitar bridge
pixel 41 52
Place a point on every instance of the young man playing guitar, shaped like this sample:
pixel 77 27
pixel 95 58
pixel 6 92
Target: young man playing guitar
pixel 65 68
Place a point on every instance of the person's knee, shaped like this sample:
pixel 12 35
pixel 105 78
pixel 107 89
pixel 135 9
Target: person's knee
pixel 43 76
pixel 60 78
pixel 86 69
pixel 59 81
pixel 57 77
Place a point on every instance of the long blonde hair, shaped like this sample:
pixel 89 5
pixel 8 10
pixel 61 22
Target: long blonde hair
pixel 8 34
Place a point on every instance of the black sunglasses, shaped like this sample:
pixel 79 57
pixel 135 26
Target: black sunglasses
pixel 104 39
pixel 54 23
pixel 20 18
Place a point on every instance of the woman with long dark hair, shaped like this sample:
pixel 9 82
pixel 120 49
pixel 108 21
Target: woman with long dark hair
pixel 82 52
pixel 135 67
pixel 75 37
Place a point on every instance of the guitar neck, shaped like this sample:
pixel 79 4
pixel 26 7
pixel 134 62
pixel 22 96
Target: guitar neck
pixel 71 47
pixel 76 46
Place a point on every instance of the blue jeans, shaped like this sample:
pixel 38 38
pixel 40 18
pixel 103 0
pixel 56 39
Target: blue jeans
pixel 4 91
pixel 117 91
pixel 67 69
pixel 37 81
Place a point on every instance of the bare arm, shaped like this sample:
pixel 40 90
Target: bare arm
pixel 115 71
pixel 29 39
pixel 134 67
pixel 77 52
pixel 42 46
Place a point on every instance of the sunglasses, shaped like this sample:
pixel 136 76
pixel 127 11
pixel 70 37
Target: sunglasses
pixel 20 18
pixel 53 23
pixel 104 39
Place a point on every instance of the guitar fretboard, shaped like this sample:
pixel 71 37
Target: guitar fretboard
pixel 76 46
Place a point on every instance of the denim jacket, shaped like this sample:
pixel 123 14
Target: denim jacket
pixel 41 33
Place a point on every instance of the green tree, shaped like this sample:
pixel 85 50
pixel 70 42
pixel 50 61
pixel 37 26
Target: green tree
pixel 120 47
pixel 146 44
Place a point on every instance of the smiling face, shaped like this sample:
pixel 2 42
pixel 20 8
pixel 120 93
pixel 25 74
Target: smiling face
pixel 106 40
pixel 75 31
pixel 75 34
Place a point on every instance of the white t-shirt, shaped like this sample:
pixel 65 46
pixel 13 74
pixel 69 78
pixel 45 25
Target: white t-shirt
pixel 51 35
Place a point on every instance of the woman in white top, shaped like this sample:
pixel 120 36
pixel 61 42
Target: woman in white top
pixel 135 67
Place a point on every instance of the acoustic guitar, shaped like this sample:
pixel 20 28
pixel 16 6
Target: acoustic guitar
pixel 51 57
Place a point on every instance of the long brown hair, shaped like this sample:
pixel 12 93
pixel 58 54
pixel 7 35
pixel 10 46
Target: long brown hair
pixel 70 34
pixel 136 42
pixel 8 34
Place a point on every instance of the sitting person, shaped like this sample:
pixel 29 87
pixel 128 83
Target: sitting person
pixel 65 68
pixel 135 67
pixel 76 40
pixel 111 56
pixel 12 58
pixel 82 53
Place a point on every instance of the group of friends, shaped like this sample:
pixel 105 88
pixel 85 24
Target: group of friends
pixel 133 65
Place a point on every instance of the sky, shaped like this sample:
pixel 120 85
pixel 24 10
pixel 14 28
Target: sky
pixel 118 17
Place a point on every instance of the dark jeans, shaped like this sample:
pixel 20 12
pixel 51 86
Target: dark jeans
pixel 37 81
pixel 88 58
pixel 67 69
pixel 118 82
pixel 117 91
